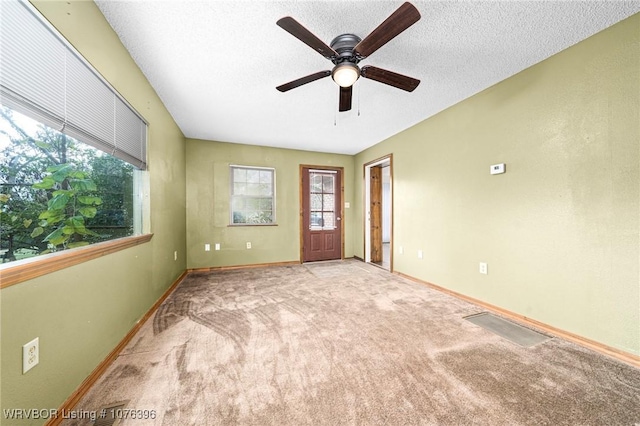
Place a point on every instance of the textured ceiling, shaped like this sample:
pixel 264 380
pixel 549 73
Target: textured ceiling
pixel 216 64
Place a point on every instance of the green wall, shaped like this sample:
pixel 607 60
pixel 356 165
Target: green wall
pixel 559 230
pixel 208 204
pixel 81 313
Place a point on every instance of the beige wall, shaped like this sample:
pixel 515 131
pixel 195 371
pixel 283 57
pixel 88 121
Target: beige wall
pixel 81 313
pixel 559 230
pixel 208 204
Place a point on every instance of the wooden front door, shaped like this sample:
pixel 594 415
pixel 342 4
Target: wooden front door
pixel 321 214
pixel 376 213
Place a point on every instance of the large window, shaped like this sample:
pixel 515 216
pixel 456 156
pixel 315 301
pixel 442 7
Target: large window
pixel 253 195
pixel 71 148
pixel 57 192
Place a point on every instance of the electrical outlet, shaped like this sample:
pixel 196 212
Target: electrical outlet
pixel 207 247
pixel 30 355
pixel 484 268
pixel 419 254
pixel 217 246
pixel 248 245
pixel 175 255
pixel 401 250
pixel 497 169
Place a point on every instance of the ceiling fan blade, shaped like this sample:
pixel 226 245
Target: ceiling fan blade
pixel 345 98
pixel 389 77
pixel 307 37
pixel 405 16
pixel 304 80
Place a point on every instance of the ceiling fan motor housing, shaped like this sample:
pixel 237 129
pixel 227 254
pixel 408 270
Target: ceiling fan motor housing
pixel 344 44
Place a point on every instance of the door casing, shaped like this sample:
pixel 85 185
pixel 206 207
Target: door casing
pixel 387 159
pixel 375 213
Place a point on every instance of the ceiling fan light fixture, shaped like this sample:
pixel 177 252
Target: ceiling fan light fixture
pixel 345 74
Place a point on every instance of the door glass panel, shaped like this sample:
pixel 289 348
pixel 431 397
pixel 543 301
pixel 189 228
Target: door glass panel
pixel 316 183
pixel 316 220
pixel 316 202
pixel 322 200
pixel 328 183
pixel 328 219
pixel 328 200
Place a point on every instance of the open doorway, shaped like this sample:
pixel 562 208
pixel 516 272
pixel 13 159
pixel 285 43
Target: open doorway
pixel 379 212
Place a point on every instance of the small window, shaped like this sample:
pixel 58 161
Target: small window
pixel 253 200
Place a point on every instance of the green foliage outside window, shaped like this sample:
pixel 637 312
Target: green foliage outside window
pixel 72 201
pixel 56 192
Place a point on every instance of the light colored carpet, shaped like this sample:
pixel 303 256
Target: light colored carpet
pixel 345 343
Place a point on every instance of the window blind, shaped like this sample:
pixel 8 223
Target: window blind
pixel 44 77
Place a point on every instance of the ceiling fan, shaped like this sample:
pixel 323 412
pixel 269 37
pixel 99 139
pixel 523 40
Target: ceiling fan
pixel 347 50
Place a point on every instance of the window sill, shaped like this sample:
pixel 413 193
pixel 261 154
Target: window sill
pixel 23 270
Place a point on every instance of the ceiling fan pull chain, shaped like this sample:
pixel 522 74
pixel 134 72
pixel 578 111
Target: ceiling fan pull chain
pixel 358 100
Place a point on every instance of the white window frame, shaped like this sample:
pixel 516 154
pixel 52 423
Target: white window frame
pixel 233 196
